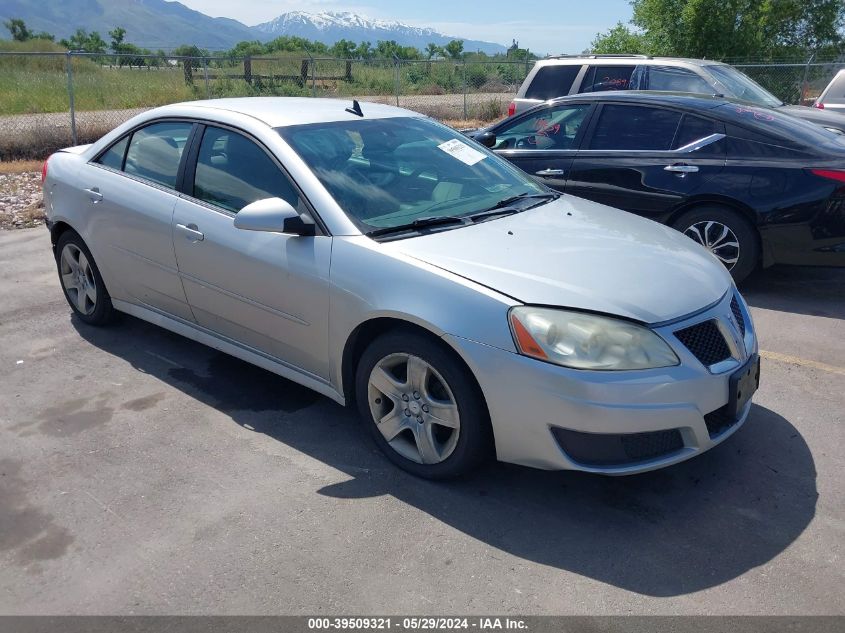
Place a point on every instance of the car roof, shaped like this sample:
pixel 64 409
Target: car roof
pixel 688 99
pixel 615 60
pixel 285 111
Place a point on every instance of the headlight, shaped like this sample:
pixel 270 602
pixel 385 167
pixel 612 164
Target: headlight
pixel 587 341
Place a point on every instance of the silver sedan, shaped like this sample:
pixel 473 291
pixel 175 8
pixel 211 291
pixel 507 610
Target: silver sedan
pixel 382 259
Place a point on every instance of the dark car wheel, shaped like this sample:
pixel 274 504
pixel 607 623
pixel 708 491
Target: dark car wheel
pixel 422 407
pixel 726 234
pixel 81 281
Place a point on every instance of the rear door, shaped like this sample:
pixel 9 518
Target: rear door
pixel 268 291
pixel 131 190
pixel 646 159
pixel 544 141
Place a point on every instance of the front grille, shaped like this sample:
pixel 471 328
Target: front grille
pixel 740 321
pixel 617 449
pixel 719 421
pixel 706 342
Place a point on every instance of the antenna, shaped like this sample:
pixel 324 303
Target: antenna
pixel 355 109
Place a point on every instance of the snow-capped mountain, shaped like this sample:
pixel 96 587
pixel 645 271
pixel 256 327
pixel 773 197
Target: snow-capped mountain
pixel 331 26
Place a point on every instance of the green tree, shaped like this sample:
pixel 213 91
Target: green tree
pixel 345 49
pixel 454 49
pixel 719 29
pixel 364 50
pixel 84 41
pixel 18 29
pixel 432 50
pixel 619 39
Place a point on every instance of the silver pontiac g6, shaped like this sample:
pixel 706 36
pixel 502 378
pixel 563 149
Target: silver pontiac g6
pixel 381 258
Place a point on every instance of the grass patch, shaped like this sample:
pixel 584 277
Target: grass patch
pixel 20 166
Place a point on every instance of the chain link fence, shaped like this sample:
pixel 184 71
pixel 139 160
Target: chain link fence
pixel 51 100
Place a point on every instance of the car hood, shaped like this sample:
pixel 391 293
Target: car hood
pixel 579 254
pixel 815 115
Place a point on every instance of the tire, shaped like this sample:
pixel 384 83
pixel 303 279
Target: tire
pixel 441 429
pixel 81 281
pixel 707 224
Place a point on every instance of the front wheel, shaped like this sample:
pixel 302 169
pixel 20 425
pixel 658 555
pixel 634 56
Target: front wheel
pixel 726 234
pixel 422 407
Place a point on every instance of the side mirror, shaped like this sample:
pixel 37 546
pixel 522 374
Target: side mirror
pixel 487 139
pixel 274 215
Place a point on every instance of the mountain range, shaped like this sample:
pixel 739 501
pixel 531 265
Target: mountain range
pixel 162 24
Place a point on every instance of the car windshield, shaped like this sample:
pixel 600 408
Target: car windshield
pixel 741 86
pixel 391 172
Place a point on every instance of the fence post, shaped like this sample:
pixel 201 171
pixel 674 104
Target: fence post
pixel 248 70
pixel 464 68
pixel 313 76
pixel 69 68
pixel 397 70
pixel 205 73
pixel 804 86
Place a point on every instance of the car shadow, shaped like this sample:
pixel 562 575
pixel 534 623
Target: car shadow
pixel 815 291
pixel 665 533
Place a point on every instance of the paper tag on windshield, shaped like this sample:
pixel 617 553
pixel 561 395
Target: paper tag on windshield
pixel 462 151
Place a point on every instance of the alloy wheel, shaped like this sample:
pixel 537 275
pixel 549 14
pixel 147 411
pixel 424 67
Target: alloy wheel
pixel 413 408
pixel 718 238
pixel 78 279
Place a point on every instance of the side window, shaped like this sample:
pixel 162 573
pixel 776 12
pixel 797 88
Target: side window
pixel 155 151
pixel 548 128
pixel 676 79
pixel 552 81
pixel 604 78
pixel 693 128
pixel 113 156
pixel 634 128
pixel 232 172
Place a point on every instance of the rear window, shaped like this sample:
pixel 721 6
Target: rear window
pixel 780 129
pixel 604 78
pixel 622 127
pixel 674 79
pixel 693 128
pixel 552 81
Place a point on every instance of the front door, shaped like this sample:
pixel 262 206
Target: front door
pixel 268 291
pixel 544 142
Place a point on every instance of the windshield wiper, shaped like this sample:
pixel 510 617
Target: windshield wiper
pixel 420 223
pixel 507 202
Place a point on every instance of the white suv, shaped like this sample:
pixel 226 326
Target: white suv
pixel 833 97
pixel 573 74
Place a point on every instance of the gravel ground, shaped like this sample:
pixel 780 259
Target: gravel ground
pixel 21 204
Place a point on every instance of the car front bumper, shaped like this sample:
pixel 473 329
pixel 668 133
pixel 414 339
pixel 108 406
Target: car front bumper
pixel 616 423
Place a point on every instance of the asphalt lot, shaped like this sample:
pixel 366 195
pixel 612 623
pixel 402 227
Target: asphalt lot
pixel 144 473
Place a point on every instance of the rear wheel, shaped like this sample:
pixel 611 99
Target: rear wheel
pixel 422 407
pixel 81 281
pixel 726 234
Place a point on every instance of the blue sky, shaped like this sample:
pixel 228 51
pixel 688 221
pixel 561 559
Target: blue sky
pixel 565 26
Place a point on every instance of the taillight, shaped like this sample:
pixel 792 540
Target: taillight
pixel 512 108
pixel 819 105
pixel 44 171
pixel 830 174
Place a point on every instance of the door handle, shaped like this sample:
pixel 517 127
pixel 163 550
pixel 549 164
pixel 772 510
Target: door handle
pixel 549 172
pixel 681 169
pixel 191 232
pixel 94 194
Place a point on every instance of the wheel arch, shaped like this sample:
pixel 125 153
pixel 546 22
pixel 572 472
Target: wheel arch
pixel 743 210
pixel 368 331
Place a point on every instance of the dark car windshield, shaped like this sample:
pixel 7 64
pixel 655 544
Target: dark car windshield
pixel 389 172
pixel 741 86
